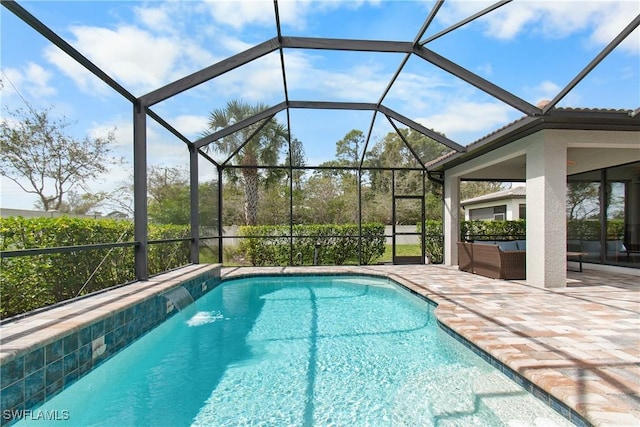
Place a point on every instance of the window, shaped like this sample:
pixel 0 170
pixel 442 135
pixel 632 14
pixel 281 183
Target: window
pixel 603 214
pixel 500 212
pixel 491 213
pixel 481 214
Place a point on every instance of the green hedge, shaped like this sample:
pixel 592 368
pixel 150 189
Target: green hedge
pixel 470 230
pixel 493 230
pixel 517 229
pixel 31 282
pixel 337 244
pixel 590 229
pixel 434 241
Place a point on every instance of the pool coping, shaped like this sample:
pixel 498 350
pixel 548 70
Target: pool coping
pixel 546 397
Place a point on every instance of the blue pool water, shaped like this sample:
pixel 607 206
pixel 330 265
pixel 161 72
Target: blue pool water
pixel 299 350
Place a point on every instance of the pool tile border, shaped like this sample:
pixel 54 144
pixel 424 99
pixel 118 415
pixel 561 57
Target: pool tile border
pixel 555 404
pixel 67 347
pixel 526 384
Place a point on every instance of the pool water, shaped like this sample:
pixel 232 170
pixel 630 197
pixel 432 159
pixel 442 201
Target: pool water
pixel 299 350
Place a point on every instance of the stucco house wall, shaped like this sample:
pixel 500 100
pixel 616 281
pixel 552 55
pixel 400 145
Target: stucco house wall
pixel 512 199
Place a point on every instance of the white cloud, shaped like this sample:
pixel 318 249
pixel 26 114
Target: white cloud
pixel 122 132
pixel 190 126
pixel 31 81
pixel 162 149
pixel 238 14
pixel 356 84
pixel 38 79
pixel 485 69
pixel 545 90
pixel 255 82
pixel 165 149
pixel 418 92
pixel 86 81
pixel 129 54
pixel 158 18
pixel 137 59
pixel 360 82
pixel 13 197
pixel 613 21
pixel 293 13
pixel 509 21
pixel 602 20
pixel 463 118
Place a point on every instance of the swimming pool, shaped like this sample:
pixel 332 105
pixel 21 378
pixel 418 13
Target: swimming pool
pixel 299 350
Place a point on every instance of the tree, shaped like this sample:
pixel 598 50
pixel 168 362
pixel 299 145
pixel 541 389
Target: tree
pixel 583 200
pixel 348 152
pixel 471 189
pixel 169 197
pixel 263 149
pixel 83 203
pixel 298 159
pixel 327 201
pixel 348 149
pixel 393 152
pixel 42 159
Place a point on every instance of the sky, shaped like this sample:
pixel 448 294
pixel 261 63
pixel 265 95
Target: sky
pixel 532 49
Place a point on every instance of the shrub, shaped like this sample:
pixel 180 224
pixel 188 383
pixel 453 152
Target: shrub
pixel 30 282
pixel 335 244
pixel 493 230
pixel 434 242
pixel 471 230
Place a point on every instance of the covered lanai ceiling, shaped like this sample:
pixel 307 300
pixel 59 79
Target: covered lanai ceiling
pixel 427 76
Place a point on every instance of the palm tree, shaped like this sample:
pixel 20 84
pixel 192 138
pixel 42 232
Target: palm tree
pixel 263 149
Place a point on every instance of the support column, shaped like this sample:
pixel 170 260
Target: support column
pixel 141 234
pixel 451 219
pixel 194 198
pixel 220 228
pixel 359 216
pixel 546 213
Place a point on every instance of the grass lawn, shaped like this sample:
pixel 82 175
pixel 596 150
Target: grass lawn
pixel 401 250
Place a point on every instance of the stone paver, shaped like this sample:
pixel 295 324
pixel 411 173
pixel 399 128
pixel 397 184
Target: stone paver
pixel 581 344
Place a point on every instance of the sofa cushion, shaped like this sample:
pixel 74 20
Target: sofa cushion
pixel 574 245
pixel 592 247
pixel 522 245
pixel 615 247
pixel 508 245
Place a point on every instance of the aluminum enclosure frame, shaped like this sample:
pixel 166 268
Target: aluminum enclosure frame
pixel 141 106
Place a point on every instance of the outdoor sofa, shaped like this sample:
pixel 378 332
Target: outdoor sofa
pixel 591 249
pixel 495 259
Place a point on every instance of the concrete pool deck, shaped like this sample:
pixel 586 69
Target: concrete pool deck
pixel 580 344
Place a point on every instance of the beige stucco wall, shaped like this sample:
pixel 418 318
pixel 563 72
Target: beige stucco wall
pixel 513 207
